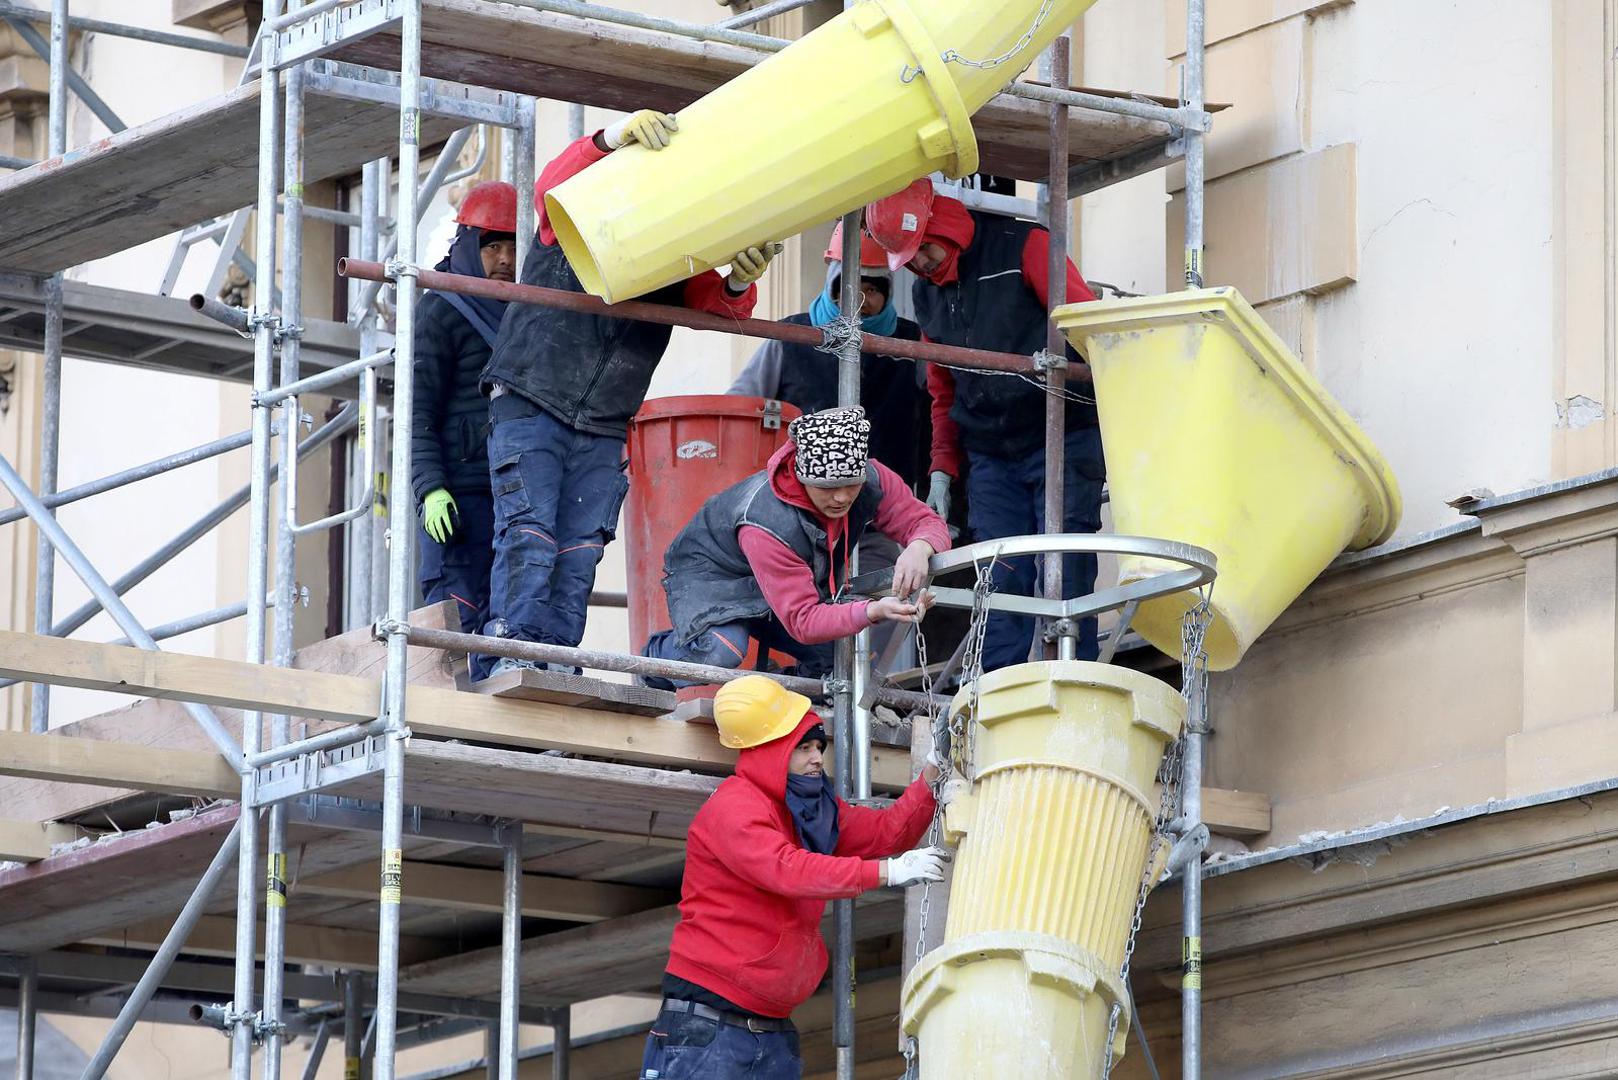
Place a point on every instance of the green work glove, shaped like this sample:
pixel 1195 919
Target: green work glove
pixel 749 264
pixel 652 129
pixel 438 514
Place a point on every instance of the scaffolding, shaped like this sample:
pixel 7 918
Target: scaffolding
pixel 339 85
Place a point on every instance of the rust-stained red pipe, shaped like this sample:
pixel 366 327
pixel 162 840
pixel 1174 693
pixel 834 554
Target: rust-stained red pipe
pixel 953 356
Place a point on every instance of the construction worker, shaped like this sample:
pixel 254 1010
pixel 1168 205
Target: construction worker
pixel 449 460
pixel 563 386
pixel 763 855
pixel 984 282
pixel 768 558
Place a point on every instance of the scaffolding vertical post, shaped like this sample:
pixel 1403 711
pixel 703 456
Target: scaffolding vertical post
pixel 1195 142
pixel 353 1028
pixel 27 1014
pixel 286 548
pixel 243 1018
pixel 522 178
pixel 561 1041
pixel 1056 345
pixel 401 566
pixel 360 608
pixel 50 421
pixel 510 948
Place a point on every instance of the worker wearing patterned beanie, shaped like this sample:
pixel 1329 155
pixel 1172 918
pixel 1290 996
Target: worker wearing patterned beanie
pixel 769 558
pixel 983 282
pixel 449 460
pixel 763 855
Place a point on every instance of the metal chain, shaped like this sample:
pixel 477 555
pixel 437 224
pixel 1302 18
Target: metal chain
pixel 1193 675
pixel 950 56
pixel 971 666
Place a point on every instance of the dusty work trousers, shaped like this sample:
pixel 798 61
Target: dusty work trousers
pixel 685 1047
pixel 557 496
pixel 459 570
pixel 1006 497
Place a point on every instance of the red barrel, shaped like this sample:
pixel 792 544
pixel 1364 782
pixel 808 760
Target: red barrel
pixel 682 450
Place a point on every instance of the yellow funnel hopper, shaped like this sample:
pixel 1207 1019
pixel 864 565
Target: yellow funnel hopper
pixel 1053 839
pixel 850 113
pixel 1215 435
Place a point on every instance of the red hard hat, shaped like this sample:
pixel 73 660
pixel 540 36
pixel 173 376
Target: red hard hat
pixel 871 252
pixel 491 205
pixel 898 223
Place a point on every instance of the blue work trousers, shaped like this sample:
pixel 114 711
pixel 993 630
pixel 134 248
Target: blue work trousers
pixel 557 496
pixel 685 1047
pixel 459 570
pixel 1006 497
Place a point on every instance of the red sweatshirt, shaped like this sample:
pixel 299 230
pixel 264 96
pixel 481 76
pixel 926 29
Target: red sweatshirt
pixel 959 230
pixel 705 292
pixel 752 897
pixel 787 581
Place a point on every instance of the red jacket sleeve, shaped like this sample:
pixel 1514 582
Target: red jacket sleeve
pixel 752 846
pixel 789 588
pixel 876 834
pixel 903 517
pixel 1036 271
pixel 580 153
pixel 707 292
pixel 946 432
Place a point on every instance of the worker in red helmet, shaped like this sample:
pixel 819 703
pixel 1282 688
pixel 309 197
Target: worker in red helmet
pixel 449 462
pixel 983 282
pixel 562 387
pixel 764 854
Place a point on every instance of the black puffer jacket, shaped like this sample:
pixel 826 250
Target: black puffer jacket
pixel 450 416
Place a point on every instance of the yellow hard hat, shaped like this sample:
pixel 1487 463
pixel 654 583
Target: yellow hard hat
pixel 754 709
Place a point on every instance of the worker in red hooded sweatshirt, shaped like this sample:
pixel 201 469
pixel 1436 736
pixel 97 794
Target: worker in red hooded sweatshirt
pixel 764 854
pixel 768 559
pixel 983 282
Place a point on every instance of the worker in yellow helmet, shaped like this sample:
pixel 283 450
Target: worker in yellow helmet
pixel 764 854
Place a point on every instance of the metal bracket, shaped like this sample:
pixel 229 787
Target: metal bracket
pixel 317 770
pixel 1060 628
pixel 263 1028
pixel 322 33
pixel 397 268
pixel 1044 360
pixel 838 686
pixel 772 415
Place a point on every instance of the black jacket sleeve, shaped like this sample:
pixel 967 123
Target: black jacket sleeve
pixel 434 368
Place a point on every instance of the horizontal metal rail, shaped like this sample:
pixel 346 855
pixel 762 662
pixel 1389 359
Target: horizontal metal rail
pixel 326 740
pixel 759 14
pixel 695 31
pixel 9 162
pixel 977 359
pixel 629 665
pixel 140 472
pixel 200 621
pixel 233 317
pixel 330 377
pixel 135 33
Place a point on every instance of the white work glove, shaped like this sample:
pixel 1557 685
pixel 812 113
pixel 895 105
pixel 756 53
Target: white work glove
pixel 915 867
pixel 652 129
pixel 749 264
pixel 938 494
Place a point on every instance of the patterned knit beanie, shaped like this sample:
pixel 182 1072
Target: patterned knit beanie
pixel 833 447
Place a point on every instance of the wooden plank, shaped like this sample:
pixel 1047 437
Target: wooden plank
pixel 436 711
pixel 1240 814
pixel 173 772
pixel 30 841
pixel 619 67
pixel 324 945
pixel 179 169
pixel 560 688
pixel 460 888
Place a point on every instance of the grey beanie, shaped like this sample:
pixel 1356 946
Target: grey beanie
pixel 833 447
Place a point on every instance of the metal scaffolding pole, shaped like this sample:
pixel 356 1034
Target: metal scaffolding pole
pixel 402 531
pixel 286 548
pixel 1056 345
pixel 317 1052
pixel 50 422
pixel 1197 712
pixel 244 1021
pixel 561 1041
pixel 158 969
pixel 353 1031
pixel 135 33
pixel 361 531
pixel 27 1015
pixel 87 573
pixel 523 178
pixel 510 949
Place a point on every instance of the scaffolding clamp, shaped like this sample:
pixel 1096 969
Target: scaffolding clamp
pixel 397 268
pixel 838 686
pixel 1045 360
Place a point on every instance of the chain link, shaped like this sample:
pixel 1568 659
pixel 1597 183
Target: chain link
pixel 1193 687
pixel 971 668
pixel 950 56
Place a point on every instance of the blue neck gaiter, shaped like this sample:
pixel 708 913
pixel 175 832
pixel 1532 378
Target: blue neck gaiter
pixel 824 309
pixel 813 807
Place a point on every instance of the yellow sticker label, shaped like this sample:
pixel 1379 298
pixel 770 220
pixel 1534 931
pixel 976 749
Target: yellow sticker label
pixel 1193 267
pixel 392 876
pixel 1191 963
pixel 351 1069
pixel 275 888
